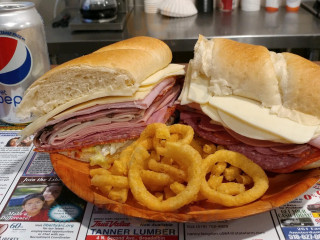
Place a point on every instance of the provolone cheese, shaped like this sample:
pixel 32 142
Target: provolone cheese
pixel 211 112
pixel 253 114
pixel 183 98
pixel 247 130
pixel 170 70
pixel 198 90
pixel 195 88
pixel 105 100
pixel 297 116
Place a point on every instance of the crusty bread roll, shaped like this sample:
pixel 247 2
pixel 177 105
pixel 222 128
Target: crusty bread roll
pixel 154 47
pixel 301 91
pixel 254 72
pixel 115 70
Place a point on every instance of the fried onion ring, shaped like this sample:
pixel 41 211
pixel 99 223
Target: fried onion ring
pixel 260 179
pixel 184 155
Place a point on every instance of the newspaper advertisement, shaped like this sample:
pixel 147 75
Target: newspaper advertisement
pixel 35 204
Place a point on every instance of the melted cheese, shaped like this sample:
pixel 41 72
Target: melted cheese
pixel 98 155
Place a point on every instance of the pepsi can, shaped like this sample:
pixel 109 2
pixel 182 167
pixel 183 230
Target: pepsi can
pixel 23 55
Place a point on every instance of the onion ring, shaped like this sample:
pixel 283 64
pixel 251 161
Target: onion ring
pixel 260 179
pixel 183 154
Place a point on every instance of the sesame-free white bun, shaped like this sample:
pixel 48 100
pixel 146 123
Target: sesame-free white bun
pixel 115 70
pixel 254 72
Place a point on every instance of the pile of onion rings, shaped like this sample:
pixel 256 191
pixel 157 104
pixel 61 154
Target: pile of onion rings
pixel 168 168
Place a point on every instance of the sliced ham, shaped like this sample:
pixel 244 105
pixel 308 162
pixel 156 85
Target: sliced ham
pixel 109 122
pixel 158 91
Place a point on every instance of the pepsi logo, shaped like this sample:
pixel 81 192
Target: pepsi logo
pixel 15 61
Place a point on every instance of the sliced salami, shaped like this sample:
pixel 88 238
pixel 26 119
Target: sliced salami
pixel 266 161
pixel 271 156
pixel 219 137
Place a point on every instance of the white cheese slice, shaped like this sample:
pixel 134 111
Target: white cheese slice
pixel 237 125
pixel 297 116
pixel 198 90
pixel 253 114
pixel 247 130
pixel 195 87
pixel 170 70
pixel 211 112
pixel 104 100
pixel 183 98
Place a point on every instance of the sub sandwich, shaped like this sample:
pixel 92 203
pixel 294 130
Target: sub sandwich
pixel 262 104
pixel 92 107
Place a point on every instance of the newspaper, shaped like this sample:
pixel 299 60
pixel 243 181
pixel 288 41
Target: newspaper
pixel 28 182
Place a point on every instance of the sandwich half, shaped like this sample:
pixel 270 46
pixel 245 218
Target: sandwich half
pixel 263 104
pixel 92 107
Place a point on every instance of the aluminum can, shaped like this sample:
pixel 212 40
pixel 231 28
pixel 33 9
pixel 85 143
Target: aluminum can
pixel 226 5
pixel 23 55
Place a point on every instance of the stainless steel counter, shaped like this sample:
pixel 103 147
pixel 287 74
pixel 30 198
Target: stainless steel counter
pixel 279 30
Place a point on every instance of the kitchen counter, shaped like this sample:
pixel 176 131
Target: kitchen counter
pixel 279 30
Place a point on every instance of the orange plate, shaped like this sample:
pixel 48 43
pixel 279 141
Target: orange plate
pixel 283 188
